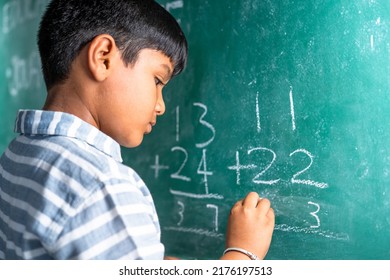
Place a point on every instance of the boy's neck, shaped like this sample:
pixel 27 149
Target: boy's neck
pixel 67 99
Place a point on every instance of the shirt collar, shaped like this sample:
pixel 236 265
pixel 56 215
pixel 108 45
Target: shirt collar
pixel 38 122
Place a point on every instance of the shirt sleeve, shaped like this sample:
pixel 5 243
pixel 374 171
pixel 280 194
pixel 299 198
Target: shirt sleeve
pixel 118 221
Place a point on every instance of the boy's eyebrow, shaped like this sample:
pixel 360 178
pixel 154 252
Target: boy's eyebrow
pixel 168 70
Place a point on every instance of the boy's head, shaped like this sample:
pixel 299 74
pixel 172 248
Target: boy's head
pixel 69 25
pixel 107 61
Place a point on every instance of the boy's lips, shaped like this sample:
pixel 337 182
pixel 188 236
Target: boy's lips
pixel 150 127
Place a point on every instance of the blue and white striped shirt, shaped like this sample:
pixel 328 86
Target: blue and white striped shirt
pixel 64 194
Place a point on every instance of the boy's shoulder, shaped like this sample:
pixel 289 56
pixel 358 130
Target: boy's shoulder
pixel 63 142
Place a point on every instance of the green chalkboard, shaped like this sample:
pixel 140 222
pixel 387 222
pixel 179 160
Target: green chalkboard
pixel 287 98
pixel 21 83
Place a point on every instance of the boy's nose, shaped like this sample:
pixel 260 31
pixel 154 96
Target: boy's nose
pixel 160 106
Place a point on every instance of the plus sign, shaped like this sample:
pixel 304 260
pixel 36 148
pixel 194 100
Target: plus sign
pixel 157 167
pixel 238 167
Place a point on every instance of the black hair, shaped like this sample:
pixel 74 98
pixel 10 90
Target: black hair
pixel 69 25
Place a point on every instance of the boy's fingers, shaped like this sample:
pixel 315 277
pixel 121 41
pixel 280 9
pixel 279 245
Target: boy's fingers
pixel 236 206
pixel 264 206
pixel 271 215
pixel 254 201
pixel 251 200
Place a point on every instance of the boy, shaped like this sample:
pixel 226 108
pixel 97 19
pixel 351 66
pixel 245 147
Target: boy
pixel 64 193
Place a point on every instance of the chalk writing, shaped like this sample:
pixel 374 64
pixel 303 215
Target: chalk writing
pixel 202 167
pixel 238 167
pixel 258 124
pixel 17 12
pixel 157 167
pixel 292 110
pixel 195 195
pixel 180 212
pixel 202 170
pixel 215 207
pixel 196 231
pixel 177 175
pixel 182 216
pixel 206 124
pixel 323 233
pixel 177 124
pixel 278 227
pixel 256 179
pixel 174 5
pixel 294 179
pixel 258 160
pixel 24 73
pixel 314 214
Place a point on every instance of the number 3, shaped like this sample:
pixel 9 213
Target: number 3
pixel 314 214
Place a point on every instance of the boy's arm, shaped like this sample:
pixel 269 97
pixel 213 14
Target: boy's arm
pixel 250 227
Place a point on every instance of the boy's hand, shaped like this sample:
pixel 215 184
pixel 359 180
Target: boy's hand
pixel 250 227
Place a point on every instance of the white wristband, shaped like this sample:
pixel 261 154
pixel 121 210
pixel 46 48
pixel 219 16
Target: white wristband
pixel 245 252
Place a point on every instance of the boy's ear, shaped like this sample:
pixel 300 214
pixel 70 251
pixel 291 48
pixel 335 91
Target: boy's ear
pixel 102 52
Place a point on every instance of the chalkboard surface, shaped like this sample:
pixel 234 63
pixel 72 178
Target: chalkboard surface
pixel 287 98
pixel 21 83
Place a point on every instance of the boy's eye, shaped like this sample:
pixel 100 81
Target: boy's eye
pixel 158 82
